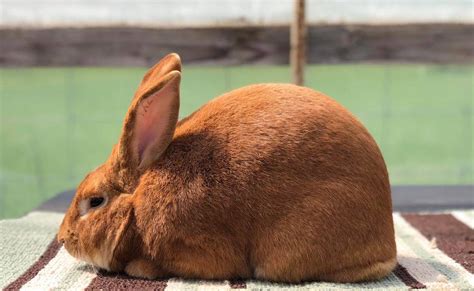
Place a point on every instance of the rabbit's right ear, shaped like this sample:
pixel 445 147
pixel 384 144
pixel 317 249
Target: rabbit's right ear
pixel 151 119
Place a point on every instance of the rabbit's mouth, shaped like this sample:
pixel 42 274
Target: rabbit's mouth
pixel 71 244
pixel 97 258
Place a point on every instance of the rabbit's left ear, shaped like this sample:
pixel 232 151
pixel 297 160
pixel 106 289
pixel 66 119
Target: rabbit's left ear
pixel 171 62
pixel 150 121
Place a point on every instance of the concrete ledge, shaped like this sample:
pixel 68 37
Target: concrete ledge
pixel 432 198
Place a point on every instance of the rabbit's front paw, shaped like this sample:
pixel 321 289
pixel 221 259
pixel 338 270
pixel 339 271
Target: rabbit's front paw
pixel 143 268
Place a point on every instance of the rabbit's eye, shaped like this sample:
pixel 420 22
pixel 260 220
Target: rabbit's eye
pixel 91 203
pixel 96 202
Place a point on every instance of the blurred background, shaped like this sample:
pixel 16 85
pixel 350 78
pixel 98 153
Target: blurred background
pixel 68 70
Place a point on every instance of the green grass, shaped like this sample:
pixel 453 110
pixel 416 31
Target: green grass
pixel 59 123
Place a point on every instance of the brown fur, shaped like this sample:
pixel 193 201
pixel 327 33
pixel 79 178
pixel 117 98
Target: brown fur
pixel 272 181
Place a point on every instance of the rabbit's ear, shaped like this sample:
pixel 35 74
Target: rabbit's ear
pixel 171 62
pixel 150 121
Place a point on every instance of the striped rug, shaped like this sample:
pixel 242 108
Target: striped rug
pixel 435 252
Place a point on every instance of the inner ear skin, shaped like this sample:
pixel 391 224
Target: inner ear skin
pixel 155 121
pixel 147 130
pixel 150 124
pixel 147 114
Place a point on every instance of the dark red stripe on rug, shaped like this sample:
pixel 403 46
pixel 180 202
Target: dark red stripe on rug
pixel 402 274
pixel 42 261
pixel 237 284
pixel 453 237
pixel 114 281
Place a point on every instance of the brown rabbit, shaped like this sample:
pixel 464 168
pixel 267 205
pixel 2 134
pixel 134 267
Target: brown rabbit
pixel 270 181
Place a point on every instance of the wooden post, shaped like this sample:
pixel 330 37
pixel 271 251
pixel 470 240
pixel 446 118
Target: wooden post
pixel 298 42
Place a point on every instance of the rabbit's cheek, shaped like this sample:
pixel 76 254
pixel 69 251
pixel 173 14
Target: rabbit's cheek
pixel 93 252
pixel 99 256
pixel 101 248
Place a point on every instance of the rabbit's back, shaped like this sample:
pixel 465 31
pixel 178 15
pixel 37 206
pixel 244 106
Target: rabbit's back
pixel 289 131
pixel 277 181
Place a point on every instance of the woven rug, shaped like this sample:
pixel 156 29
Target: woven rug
pixel 435 252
